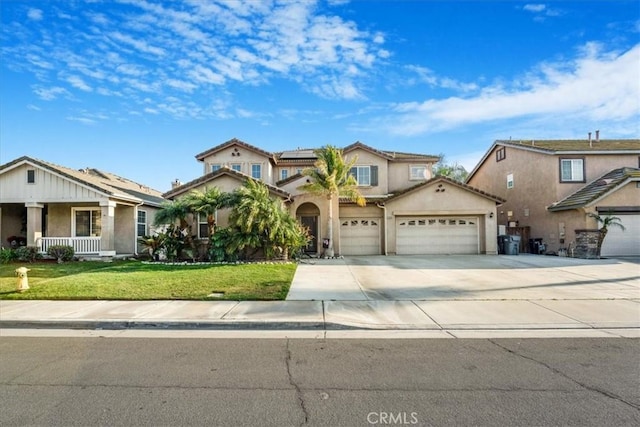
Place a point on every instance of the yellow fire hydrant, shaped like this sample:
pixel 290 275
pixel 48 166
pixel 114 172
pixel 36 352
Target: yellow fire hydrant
pixel 23 280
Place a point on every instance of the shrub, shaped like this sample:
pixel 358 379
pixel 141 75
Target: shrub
pixel 28 254
pixel 218 247
pixel 61 252
pixel 7 255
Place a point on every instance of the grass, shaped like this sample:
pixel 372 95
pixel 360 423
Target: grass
pixel 133 280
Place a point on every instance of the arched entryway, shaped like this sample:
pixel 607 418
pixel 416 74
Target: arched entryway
pixel 309 215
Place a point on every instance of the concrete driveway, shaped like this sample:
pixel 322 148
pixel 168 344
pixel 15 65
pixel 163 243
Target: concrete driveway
pixel 474 277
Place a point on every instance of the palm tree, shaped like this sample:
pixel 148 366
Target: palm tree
pixel 331 177
pixel 207 202
pixel 607 221
pixel 172 212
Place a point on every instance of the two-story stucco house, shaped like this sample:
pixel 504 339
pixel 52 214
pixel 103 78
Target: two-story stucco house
pixel 98 213
pixel 551 186
pixel 407 212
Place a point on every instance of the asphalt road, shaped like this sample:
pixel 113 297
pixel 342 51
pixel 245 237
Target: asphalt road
pixel 237 382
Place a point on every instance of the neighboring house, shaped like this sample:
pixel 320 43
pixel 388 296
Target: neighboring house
pixel 552 185
pixel 97 213
pixel 407 212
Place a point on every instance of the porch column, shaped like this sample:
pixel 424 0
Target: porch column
pixel 34 222
pixel 107 232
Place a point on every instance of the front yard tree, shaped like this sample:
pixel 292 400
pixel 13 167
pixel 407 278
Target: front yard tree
pixel 605 221
pixel 455 171
pixel 207 203
pixel 259 221
pixel 330 177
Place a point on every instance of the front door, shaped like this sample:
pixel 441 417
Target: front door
pixel 311 223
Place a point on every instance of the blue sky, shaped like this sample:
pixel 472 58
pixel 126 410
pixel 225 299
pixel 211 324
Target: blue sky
pixel 138 88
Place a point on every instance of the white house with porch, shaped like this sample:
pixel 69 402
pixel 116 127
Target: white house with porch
pixel 98 213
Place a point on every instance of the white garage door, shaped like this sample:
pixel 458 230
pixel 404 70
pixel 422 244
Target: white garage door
pixel 360 236
pixel 436 235
pixel 623 243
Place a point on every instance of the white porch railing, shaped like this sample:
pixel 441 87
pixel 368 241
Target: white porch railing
pixel 80 245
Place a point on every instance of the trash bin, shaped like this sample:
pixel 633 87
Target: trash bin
pixel 502 243
pixel 513 245
pixel 536 246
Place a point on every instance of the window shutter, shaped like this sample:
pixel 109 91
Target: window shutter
pixel 374 176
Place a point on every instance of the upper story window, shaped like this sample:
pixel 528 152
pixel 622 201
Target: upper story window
pixel 215 167
pixel 418 172
pixel 284 174
pixel 572 170
pixel 365 175
pixel 510 180
pixel 31 176
pixel 501 154
pixel 236 167
pixel 298 170
pixel 142 223
pixel 256 171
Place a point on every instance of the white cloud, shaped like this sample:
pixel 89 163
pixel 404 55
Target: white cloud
pixel 534 7
pixel 597 86
pixel 83 120
pixel 49 94
pixel 33 107
pixel 78 83
pixel 34 14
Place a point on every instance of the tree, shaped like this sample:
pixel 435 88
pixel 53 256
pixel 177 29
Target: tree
pixel 331 177
pixel 172 212
pixel 175 236
pixel 607 221
pixel 207 203
pixel 259 221
pixel 455 171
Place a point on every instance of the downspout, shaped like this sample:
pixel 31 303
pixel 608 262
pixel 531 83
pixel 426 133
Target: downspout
pixel 384 221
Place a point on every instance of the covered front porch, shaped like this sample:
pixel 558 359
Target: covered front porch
pixel 94 229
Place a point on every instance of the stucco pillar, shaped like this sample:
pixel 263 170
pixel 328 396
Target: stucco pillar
pixel 107 232
pixel 34 222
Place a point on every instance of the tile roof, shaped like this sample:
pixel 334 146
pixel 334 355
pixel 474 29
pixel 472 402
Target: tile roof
pixel 562 145
pixel 104 182
pixel 596 189
pixel 233 141
pixel 174 192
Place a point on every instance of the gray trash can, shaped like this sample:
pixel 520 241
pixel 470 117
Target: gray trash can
pixel 512 246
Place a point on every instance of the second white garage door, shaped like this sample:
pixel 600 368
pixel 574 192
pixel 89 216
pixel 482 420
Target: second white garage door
pixel 625 242
pixel 360 236
pixel 436 235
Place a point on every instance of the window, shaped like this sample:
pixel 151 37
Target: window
pixel 31 176
pixel 87 222
pixel 298 170
pixel 501 154
pixel 284 173
pixel 365 175
pixel 236 167
pixel 418 172
pixel 203 226
pixel 256 171
pixel 142 223
pixel 510 180
pixel 215 167
pixel 571 170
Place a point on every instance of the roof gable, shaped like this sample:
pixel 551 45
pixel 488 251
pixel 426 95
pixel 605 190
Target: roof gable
pixel 440 179
pixel 105 183
pixel 595 190
pixel 231 143
pixel 212 176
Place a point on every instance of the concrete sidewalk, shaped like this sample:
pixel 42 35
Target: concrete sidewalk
pixel 335 297
pixel 455 318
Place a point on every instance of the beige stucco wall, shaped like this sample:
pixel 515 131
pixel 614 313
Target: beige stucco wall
pixel 323 206
pixel 366 158
pixel 124 229
pixel 454 201
pixel 400 175
pixel 536 186
pixel 245 159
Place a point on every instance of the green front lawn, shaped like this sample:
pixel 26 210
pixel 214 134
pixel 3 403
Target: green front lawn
pixel 133 280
